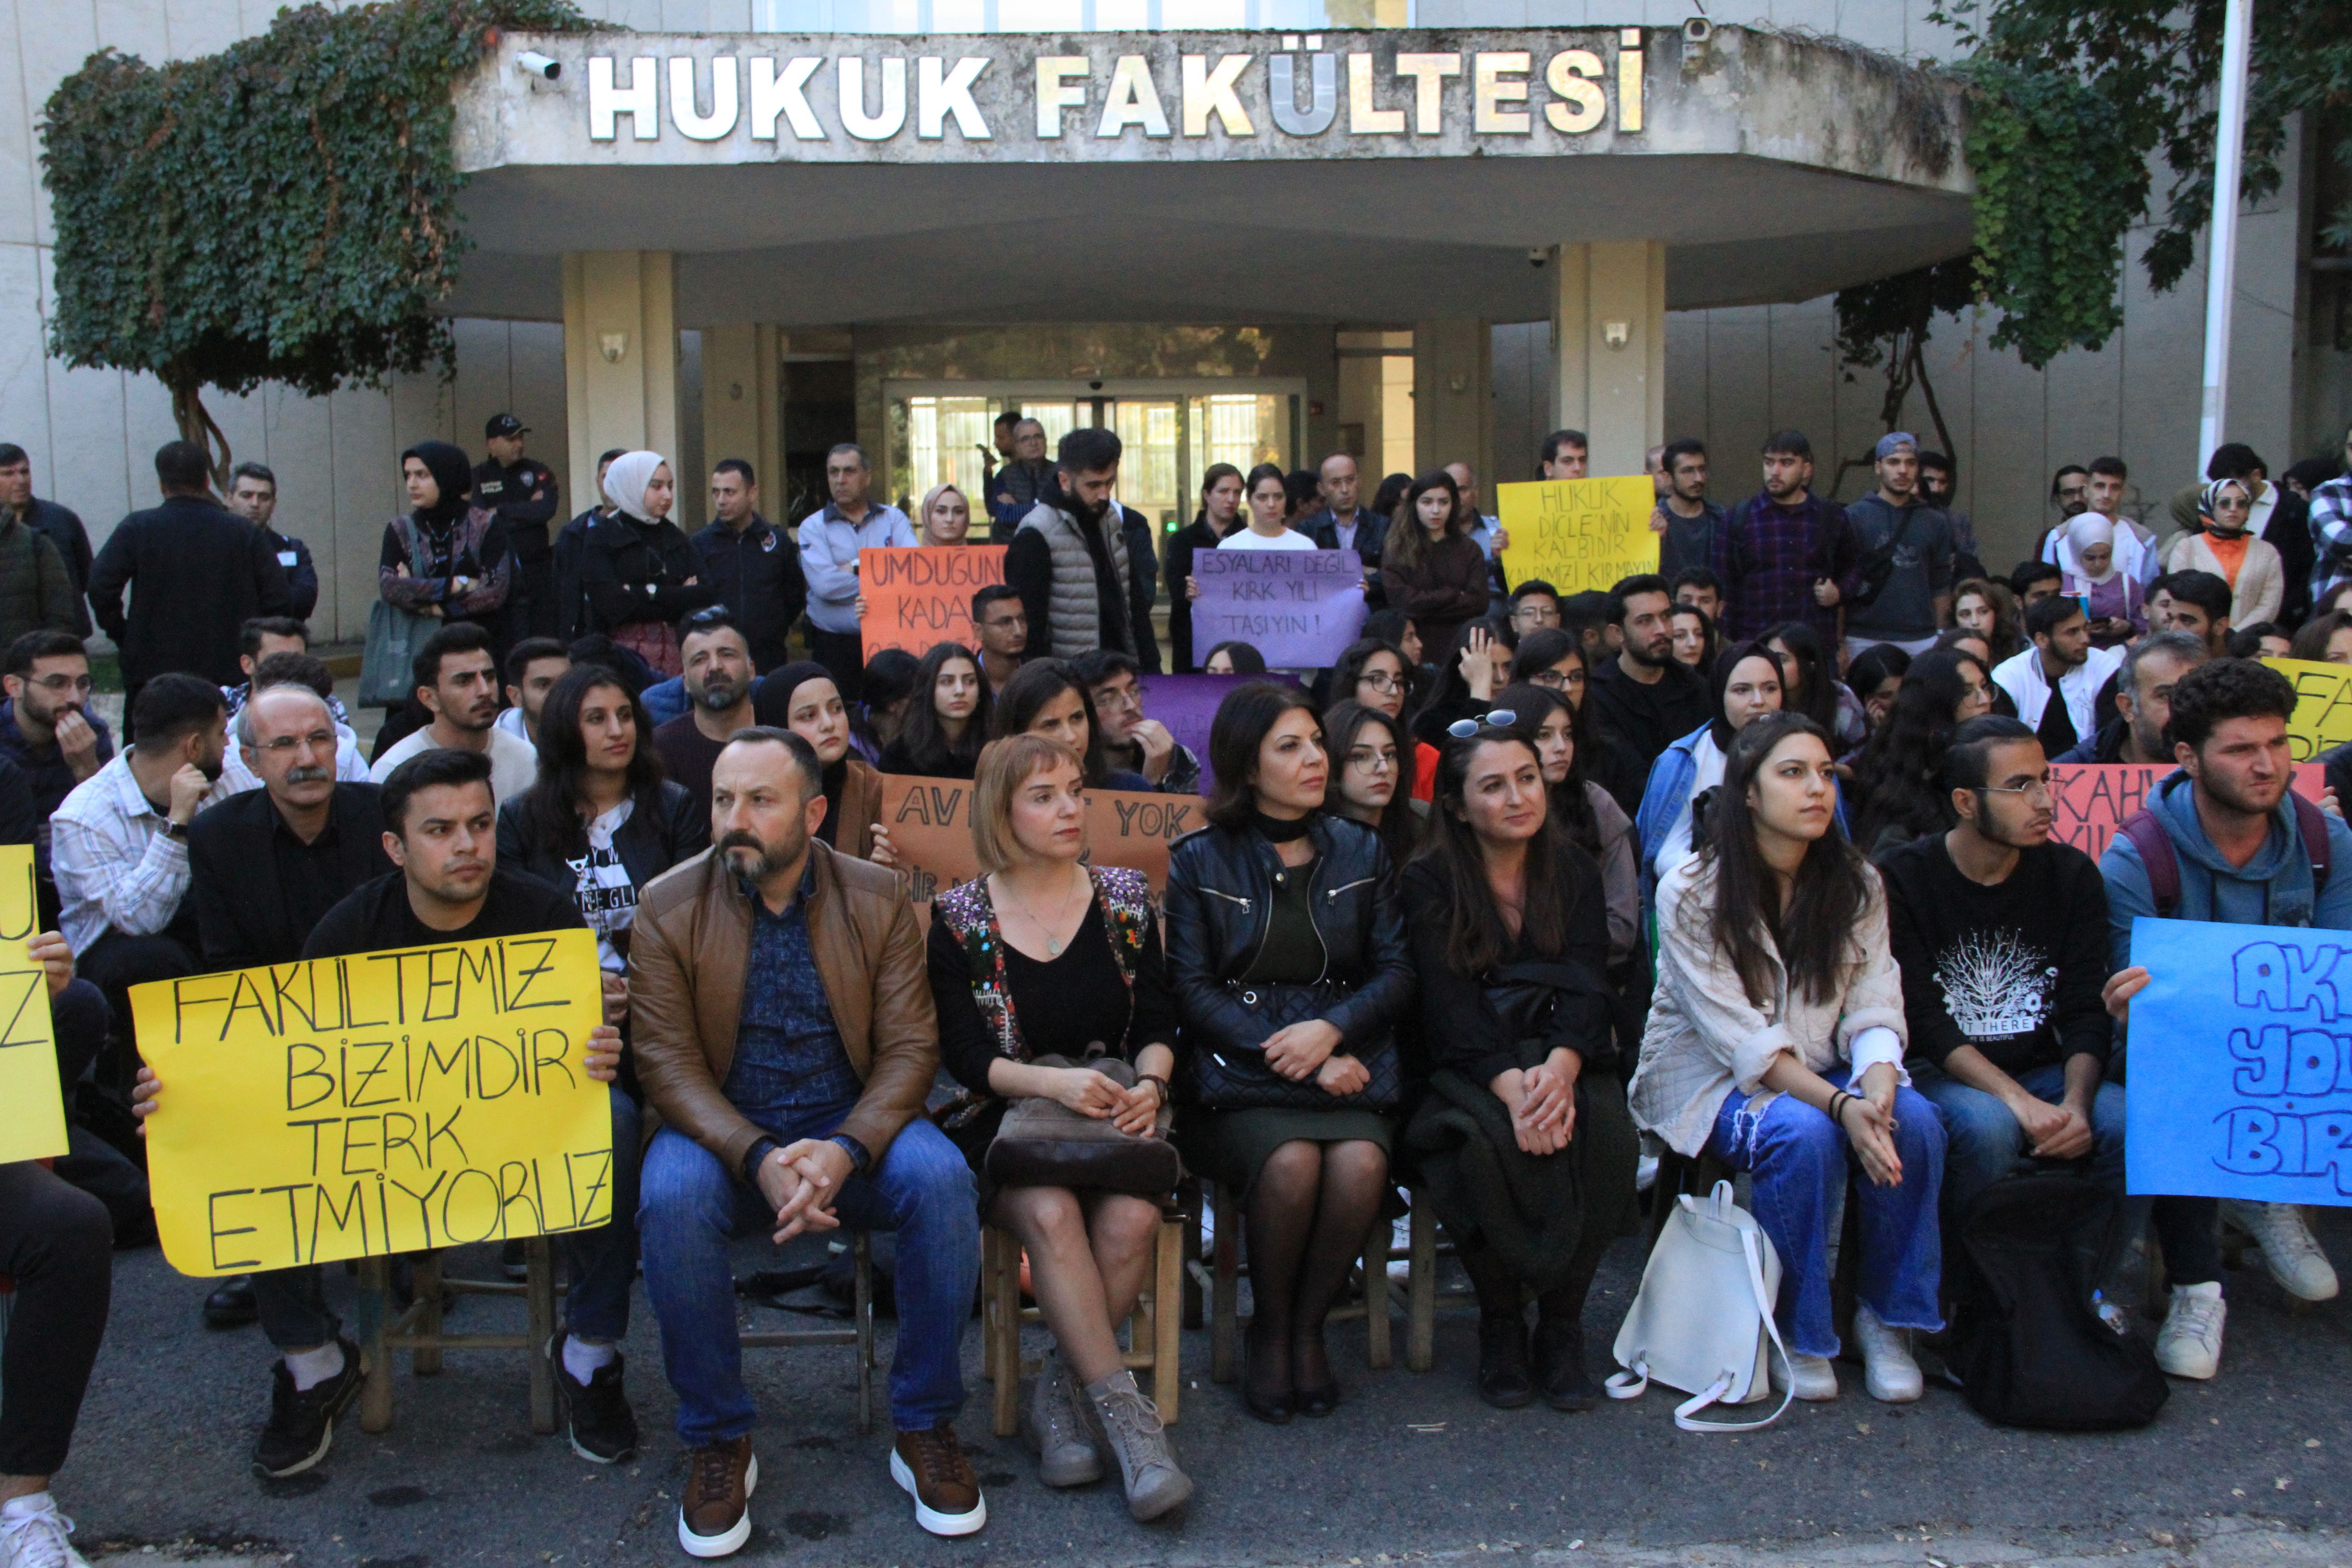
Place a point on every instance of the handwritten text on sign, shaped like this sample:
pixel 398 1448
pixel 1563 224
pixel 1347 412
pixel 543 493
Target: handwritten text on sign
pixel 1578 534
pixel 386 1102
pixel 1299 608
pixel 32 1111
pixel 2096 799
pixel 919 597
pixel 931 828
pixel 2241 1063
pixel 2323 705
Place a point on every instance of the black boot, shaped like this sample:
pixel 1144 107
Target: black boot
pixel 1502 1380
pixel 1559 1365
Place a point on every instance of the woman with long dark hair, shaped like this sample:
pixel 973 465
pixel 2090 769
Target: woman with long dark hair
pixel 1372 766
pixel 1375 674
pixel 1989 609
pixel 445 559
pixel 1811 685
pixel 1697 640
pixel 1746 685
pixel 1287 952
pixel 1900 775
pixel 1510 944
pixel 1233 658
pixel 1556 660
pixel 1047 698
pixel 1430 567
pixel 1400 632
pixel 1220 514
pixel 1776 1044
pixel 803 698
pixel 947 723
pixel 888 688
pixel 1582 811
pixel 1876 676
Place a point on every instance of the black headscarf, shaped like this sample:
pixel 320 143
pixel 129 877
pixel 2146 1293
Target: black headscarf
pixel 774 706
pixel 452 470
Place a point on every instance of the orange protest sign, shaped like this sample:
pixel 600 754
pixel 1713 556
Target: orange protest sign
pixel 2096 799
pixel 919 597
pixel 931 828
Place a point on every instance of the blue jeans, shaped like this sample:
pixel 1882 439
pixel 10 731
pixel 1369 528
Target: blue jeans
pixel 690 1206
pixel 1983 1141
pixel 1799 1159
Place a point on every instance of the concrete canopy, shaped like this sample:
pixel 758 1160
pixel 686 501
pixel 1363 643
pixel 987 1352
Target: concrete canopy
pixel 1157 177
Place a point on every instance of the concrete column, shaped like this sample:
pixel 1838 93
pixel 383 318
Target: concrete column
pixel 620 358
pixel 742 409
pixel 1454 396
pixel 1609 349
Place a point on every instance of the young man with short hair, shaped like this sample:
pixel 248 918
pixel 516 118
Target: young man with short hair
pixel 1535 606
pixel 1685 521
pixel 2142 687
pixel 1905 550
pixel 2104 489
pixel 533 665
pixel 257 639
pixel 2239 856
pixel 1697 585
pixel 458 685
pixel 755 568
pixel 1131 741
pixel 253 496
pixel 1785 553
pixel 782 1026
pixel 718 680
pixel 2054 683
pixel 1644 698
pixel 1564 455
pixel 1068 560
pixel 2034 581
pixel 1002 626
pixel 47 727
pixel 2197 602
pixel 831 538
pixel 62 524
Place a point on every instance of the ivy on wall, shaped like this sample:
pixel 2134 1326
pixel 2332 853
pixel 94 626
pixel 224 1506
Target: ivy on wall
pixel 285 210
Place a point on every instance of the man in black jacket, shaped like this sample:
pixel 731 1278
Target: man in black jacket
pixel 253 496
pixel 1345 524
pixel 60 523
pixel 195 572
pixel 573 619
pixel 754 566
pixel 523 492
pixel 1644 700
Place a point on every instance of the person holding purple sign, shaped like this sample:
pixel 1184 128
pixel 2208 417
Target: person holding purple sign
pixel 1130 741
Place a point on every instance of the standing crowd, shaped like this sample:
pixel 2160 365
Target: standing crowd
pixel 1531 901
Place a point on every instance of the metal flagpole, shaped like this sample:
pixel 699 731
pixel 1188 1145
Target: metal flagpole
pixel 2221 253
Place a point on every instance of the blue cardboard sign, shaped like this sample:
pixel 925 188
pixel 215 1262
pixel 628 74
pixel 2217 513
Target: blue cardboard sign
pixel 2241 1063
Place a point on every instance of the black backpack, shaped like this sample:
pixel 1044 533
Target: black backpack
pixel 2029 1348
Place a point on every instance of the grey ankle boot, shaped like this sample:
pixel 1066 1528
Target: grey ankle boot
pixel 1131 1424
pixel 1066 1454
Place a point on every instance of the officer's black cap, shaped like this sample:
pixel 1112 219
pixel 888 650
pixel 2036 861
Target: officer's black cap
pixel 504 425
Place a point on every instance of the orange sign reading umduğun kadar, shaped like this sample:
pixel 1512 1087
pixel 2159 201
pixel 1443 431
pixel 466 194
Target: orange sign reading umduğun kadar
pixel 918 597
pixel 931 827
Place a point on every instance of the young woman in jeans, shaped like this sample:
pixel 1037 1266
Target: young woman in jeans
pixel 1776 1044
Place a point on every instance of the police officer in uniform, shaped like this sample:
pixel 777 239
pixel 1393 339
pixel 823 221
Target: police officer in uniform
pixel 755 565
pixel 523 493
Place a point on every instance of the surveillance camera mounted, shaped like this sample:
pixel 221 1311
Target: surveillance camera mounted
pixel 537 66
pixel 1537 256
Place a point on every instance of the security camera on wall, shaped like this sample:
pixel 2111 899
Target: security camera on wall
pixel 1537 256
pixel 542 70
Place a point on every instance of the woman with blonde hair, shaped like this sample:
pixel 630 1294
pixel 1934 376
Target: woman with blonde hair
pixel 1050 983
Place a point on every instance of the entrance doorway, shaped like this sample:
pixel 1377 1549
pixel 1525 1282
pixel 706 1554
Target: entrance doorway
pixel 1171 431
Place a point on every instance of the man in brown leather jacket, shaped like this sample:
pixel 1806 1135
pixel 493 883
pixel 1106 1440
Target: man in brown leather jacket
pixel 783 1032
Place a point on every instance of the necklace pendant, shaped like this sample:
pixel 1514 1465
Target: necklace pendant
pixel 1052 948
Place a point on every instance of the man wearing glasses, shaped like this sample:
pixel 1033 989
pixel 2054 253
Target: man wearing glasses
pixel 46 725
pixel 1535 604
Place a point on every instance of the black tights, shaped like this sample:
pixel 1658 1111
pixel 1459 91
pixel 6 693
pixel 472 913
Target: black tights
pixel 1311 1207
pixel 1500 1292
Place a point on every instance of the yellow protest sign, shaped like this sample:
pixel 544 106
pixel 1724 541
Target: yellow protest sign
pixel 2323 705
pixel 1578 534
pixel 384 1102
pixel 32 1110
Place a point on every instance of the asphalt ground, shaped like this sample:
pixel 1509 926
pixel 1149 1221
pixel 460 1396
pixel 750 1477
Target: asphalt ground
pixel 2255 1466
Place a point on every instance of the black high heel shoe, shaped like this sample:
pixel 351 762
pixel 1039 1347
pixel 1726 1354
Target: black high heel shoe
pixel 1324 1397
pixel 1274 1409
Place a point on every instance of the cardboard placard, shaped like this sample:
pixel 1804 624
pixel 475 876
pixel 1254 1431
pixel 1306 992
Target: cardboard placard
pixel 32 1109
pixel 2323 705
pixel 384 1102
pixel 931 828
pixel 2241 1074
pixel 1299 608
pixel 917 596
pixel 2096 799
pixel 1578 534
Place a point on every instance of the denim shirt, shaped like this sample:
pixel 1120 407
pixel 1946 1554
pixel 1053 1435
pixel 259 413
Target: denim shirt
pixel 791 1073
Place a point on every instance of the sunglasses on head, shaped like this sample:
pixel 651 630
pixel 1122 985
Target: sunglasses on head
pixel 1500 718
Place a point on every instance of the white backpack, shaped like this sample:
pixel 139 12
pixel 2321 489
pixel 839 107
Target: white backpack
pixel 1703 1320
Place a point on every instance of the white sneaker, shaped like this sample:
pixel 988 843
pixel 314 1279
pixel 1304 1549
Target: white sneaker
pixel 1888 1371
pixel 2190 1344
pixel 33 1534
pixel 2292 1255
pixel 1814 1377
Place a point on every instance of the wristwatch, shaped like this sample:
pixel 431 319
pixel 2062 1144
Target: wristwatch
pixel 178 830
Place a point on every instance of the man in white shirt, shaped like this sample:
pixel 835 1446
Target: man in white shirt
pixel 2062 664
pixel 458 681
pixel 120 843
pixel 830 540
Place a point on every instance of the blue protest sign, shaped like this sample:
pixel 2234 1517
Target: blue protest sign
pixel 1299 608
pixel 2241 1063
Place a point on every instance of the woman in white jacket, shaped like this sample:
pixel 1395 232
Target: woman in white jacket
pixel 1776 1043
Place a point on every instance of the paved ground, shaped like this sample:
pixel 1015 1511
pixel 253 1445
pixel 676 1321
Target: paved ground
pixel 2256 1467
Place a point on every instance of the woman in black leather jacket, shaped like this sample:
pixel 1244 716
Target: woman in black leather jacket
pixel 1287 952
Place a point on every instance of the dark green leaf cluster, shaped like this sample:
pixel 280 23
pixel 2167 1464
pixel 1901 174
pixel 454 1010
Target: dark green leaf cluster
pixel 283 210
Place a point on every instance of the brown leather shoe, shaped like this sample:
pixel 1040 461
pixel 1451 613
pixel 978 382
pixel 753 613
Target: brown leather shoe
pixel 933 1468
pixel 714 1518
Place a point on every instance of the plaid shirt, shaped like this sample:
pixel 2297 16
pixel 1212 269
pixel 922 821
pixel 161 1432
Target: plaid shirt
pixel 117 869
pixel 1768 556
pixel 2331 534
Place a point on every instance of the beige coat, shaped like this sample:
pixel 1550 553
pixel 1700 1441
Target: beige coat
pixel 2261 587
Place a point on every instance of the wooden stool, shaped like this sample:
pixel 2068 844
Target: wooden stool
pixel 419 1332
pixel 859 1333
pixel 1153 1330
pixel 1221 1279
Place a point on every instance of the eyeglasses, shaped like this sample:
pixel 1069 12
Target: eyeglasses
pixel 2042 790
pixel 62 682
pixel 1500 718
pixel 1381 681
pixel 1371 761
pixel 1555 680
pixel 285 745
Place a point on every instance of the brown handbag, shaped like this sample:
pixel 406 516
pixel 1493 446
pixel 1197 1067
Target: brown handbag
pixel 1041 1142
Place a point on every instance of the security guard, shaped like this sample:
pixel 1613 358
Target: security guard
pixel 522 493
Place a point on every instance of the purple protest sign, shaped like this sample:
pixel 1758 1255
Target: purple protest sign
pixel 1299 608
pixel 1187 704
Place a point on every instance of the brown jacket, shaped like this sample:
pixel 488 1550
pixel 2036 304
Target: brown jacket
pixel 686 955
pixel 1447 586
pixel 861 809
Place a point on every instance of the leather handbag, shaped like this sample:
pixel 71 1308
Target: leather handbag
pixel 1702 1322
pixel 1041 1142
pixel 1227 1078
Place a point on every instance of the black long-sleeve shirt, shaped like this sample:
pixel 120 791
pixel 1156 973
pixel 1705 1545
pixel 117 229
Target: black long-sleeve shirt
pixel 2015 970
pixel 636 572
pixel 195 572
pixel 1062 1005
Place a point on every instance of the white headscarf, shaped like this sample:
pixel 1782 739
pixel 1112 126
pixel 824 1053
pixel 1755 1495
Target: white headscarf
pixel 626 480
pixel 2087 531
